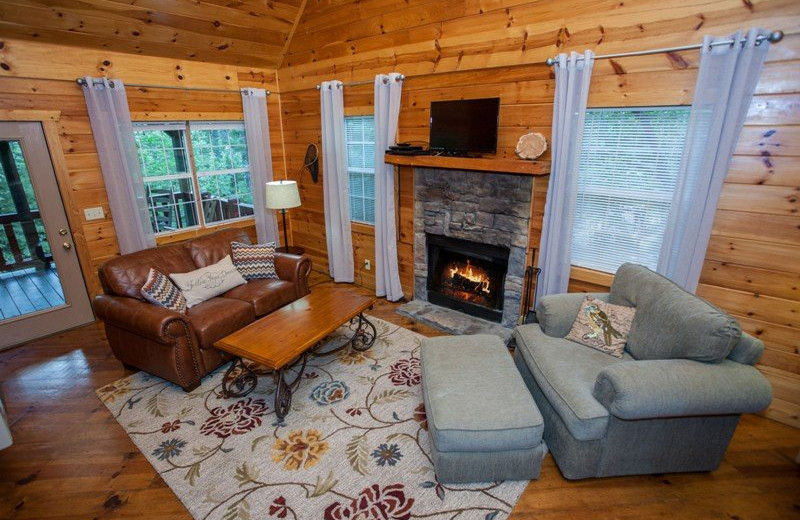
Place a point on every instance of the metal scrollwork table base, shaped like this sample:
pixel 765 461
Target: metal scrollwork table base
pixel 240 379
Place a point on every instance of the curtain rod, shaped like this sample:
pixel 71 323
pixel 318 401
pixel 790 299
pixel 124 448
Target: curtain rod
pixel 773 37
pixel 81 82
pixel 401 77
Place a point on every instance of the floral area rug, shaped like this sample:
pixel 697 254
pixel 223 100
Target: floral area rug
pixel 354 445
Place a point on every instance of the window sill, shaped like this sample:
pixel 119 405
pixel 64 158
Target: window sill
pixel 362 228
pixel 592 276
pixel 187 234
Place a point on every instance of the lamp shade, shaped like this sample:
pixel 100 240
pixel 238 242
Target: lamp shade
pixel 282 195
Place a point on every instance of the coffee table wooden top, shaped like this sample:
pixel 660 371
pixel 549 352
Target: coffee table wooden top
pixel 280 337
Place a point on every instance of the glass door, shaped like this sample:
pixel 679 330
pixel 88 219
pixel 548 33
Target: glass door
pixel 42 290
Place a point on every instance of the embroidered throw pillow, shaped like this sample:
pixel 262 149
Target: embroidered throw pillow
pixel 159 290
pixel 203 284
pixel 254 260
pixel 602 326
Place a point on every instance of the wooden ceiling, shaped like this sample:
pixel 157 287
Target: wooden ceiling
pixel 239 32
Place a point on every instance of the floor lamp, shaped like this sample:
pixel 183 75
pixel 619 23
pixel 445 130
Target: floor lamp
pixel 283 195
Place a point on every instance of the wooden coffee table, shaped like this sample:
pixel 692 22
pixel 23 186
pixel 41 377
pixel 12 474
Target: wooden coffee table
pixel 287 336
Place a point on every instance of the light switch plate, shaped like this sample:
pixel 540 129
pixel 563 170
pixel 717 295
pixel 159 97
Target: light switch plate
pixel 94 213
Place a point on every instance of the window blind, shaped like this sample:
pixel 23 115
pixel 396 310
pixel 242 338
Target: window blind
pixel 628 170
pixel 360 136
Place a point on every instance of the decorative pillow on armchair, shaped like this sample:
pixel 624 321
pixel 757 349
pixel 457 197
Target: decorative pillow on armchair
pixel 254 261
pixel 159 290
pixel 203 284
pixel 602 326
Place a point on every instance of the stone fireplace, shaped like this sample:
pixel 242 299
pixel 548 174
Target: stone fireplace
pixel 470 241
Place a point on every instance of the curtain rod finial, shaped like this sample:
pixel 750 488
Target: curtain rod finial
pixel 319 87
pixel 775 36
pixel 550 62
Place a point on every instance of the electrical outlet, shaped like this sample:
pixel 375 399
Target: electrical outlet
pixel 367 264
pixel 95 213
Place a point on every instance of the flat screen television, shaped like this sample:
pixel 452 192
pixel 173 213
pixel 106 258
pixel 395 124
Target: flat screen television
pixel 465 126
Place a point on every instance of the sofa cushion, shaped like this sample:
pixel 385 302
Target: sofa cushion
pixel 210 249
pixel 205 283
pixel 556 313
pixel 126 274
pixel 566 372
pixel 264 295
pixel 159 290
pixel 214 319
pixel 475 398
pixel 254 261
pixel 670 323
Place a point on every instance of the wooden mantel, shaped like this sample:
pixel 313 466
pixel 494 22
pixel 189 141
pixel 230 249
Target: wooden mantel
pixel 484 164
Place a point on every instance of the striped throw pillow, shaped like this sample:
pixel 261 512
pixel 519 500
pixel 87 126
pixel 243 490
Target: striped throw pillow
pixel 254 261
pixel 159 290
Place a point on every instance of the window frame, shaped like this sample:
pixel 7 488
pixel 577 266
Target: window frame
pixel 650 198
pixel 368 171
pixel 186 126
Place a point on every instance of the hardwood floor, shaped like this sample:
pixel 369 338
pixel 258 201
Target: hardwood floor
pixel 72 460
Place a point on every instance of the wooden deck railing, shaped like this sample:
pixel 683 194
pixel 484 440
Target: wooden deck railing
pixel 37 255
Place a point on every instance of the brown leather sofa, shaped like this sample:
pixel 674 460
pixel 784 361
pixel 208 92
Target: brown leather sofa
pixel 180 347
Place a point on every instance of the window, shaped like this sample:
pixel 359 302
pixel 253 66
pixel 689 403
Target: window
pixel 220 156
pixel 360 135
pixel 216 178
pixel 628 171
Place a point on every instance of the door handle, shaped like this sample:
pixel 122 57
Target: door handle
pixel 67 245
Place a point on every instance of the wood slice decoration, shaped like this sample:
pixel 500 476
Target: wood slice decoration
pixel 531 146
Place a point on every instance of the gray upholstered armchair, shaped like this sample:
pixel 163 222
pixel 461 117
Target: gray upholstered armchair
pixel 670 404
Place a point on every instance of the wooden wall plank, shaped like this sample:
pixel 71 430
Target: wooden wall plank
pixel 751 279
pixel 764 170
pixel 754 253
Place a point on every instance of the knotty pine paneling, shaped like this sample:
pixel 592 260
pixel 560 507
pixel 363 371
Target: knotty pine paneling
pixel 479 48
pixel 238 33
pixel 36 81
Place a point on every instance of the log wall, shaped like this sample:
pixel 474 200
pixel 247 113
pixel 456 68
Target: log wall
pixel 35 76
pixel 481 48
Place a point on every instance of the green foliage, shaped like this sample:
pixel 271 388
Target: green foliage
pixel 218 153
pixel 7 206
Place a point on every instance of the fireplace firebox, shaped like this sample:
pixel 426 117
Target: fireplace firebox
pixel 467 276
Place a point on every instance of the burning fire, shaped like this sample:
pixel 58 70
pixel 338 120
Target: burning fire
pixel 477 276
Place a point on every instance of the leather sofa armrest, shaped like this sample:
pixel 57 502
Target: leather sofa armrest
pixel 681 387
pixel 295 269
pixel 148 320
pixel 556 312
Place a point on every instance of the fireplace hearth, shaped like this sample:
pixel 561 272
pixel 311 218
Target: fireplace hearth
pixel 467 276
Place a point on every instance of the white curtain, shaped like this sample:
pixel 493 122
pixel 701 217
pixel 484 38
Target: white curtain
pixel 259 152
pixel 388 88
pixel 569 112
pixel 113 134
pixel 335 183
pixel 725 85
pixel 5 431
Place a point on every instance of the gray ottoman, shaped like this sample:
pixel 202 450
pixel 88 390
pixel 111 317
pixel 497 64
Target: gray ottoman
pixel 483 423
